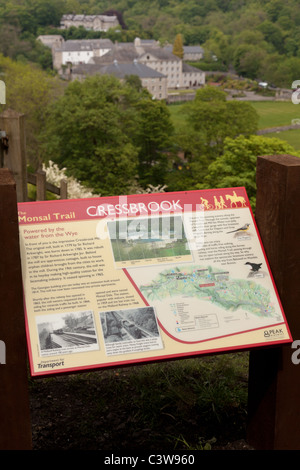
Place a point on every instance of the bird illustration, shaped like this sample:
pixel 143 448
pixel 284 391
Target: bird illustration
pixel 241 229
pixel 254 267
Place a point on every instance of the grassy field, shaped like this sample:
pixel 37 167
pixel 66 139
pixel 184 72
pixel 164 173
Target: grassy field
pixel 276 113
pixel 271 114
pixel 291 136
pixel 190 404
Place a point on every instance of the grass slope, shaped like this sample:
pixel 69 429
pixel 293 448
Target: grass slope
pixel 271 114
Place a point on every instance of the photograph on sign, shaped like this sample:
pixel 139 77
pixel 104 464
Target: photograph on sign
pixel 122 280
pixel 144 241
pixel 132 330
pixel 66 333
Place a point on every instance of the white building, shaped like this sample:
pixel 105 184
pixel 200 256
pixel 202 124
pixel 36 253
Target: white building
pixel 74 52
pixel 190 53
pixel 155 82
pixel 179 74
pixel 51 40
pixel 90 22
pixel 170 71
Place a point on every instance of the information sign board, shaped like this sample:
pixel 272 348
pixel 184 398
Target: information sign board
pixel 115 281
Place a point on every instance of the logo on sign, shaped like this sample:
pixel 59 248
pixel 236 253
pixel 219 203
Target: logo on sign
pixel 272 333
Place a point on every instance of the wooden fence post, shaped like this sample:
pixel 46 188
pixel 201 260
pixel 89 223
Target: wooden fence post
pixel 13 124
pixel 63 189
pixel 41 185
pixel 15 428
pixel 274 379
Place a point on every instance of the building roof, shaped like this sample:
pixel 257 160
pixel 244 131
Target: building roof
pixel 187 49
pixel 119 70
pixel 193 49
pixel 159 53
pixel 50 39
pixel 86 44
pixel 88 17
pixel 149 42
pixel 122 53
pixel 186 68
pixel 133 68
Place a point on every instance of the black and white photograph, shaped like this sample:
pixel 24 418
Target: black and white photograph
pixel 67 332
pixel 130 330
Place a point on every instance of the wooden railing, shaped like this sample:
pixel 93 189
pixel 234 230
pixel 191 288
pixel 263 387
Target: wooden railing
pixel 42 186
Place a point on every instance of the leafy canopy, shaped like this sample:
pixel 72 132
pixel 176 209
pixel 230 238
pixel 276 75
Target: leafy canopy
pixel 237 165
pixel 211 119
pixel 29 91
pixel 105 133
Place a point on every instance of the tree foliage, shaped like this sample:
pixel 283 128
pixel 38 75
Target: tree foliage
pixel 153 138
pixel 237 165
pixel 114 137
pixel 212 118
pixel 105 133
pixel 29 91
pixel 245 34
pixel 178 46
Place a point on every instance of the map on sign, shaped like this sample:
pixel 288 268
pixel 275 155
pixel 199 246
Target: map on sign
pixel 123 280
pixel 214 286
pixel 193 292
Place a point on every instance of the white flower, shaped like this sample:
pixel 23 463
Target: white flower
pixel 75 190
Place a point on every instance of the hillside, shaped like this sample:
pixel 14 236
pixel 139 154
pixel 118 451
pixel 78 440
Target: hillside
pixel 259 39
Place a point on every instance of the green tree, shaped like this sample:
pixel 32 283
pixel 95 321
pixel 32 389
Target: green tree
pixel 29 90
pixel 89 131
pixel 211 119
pixel 280 70
pixel 272 34
pixel 218 45
pixel 153 139
pixel 237 165
pixel 209 93
pixel 249 60
pixel 178 46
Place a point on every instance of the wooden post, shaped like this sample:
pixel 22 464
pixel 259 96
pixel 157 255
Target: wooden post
pixel 13 124
pixel 63 189
pixel 274 380
pixel 40 185
pixel 15 428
